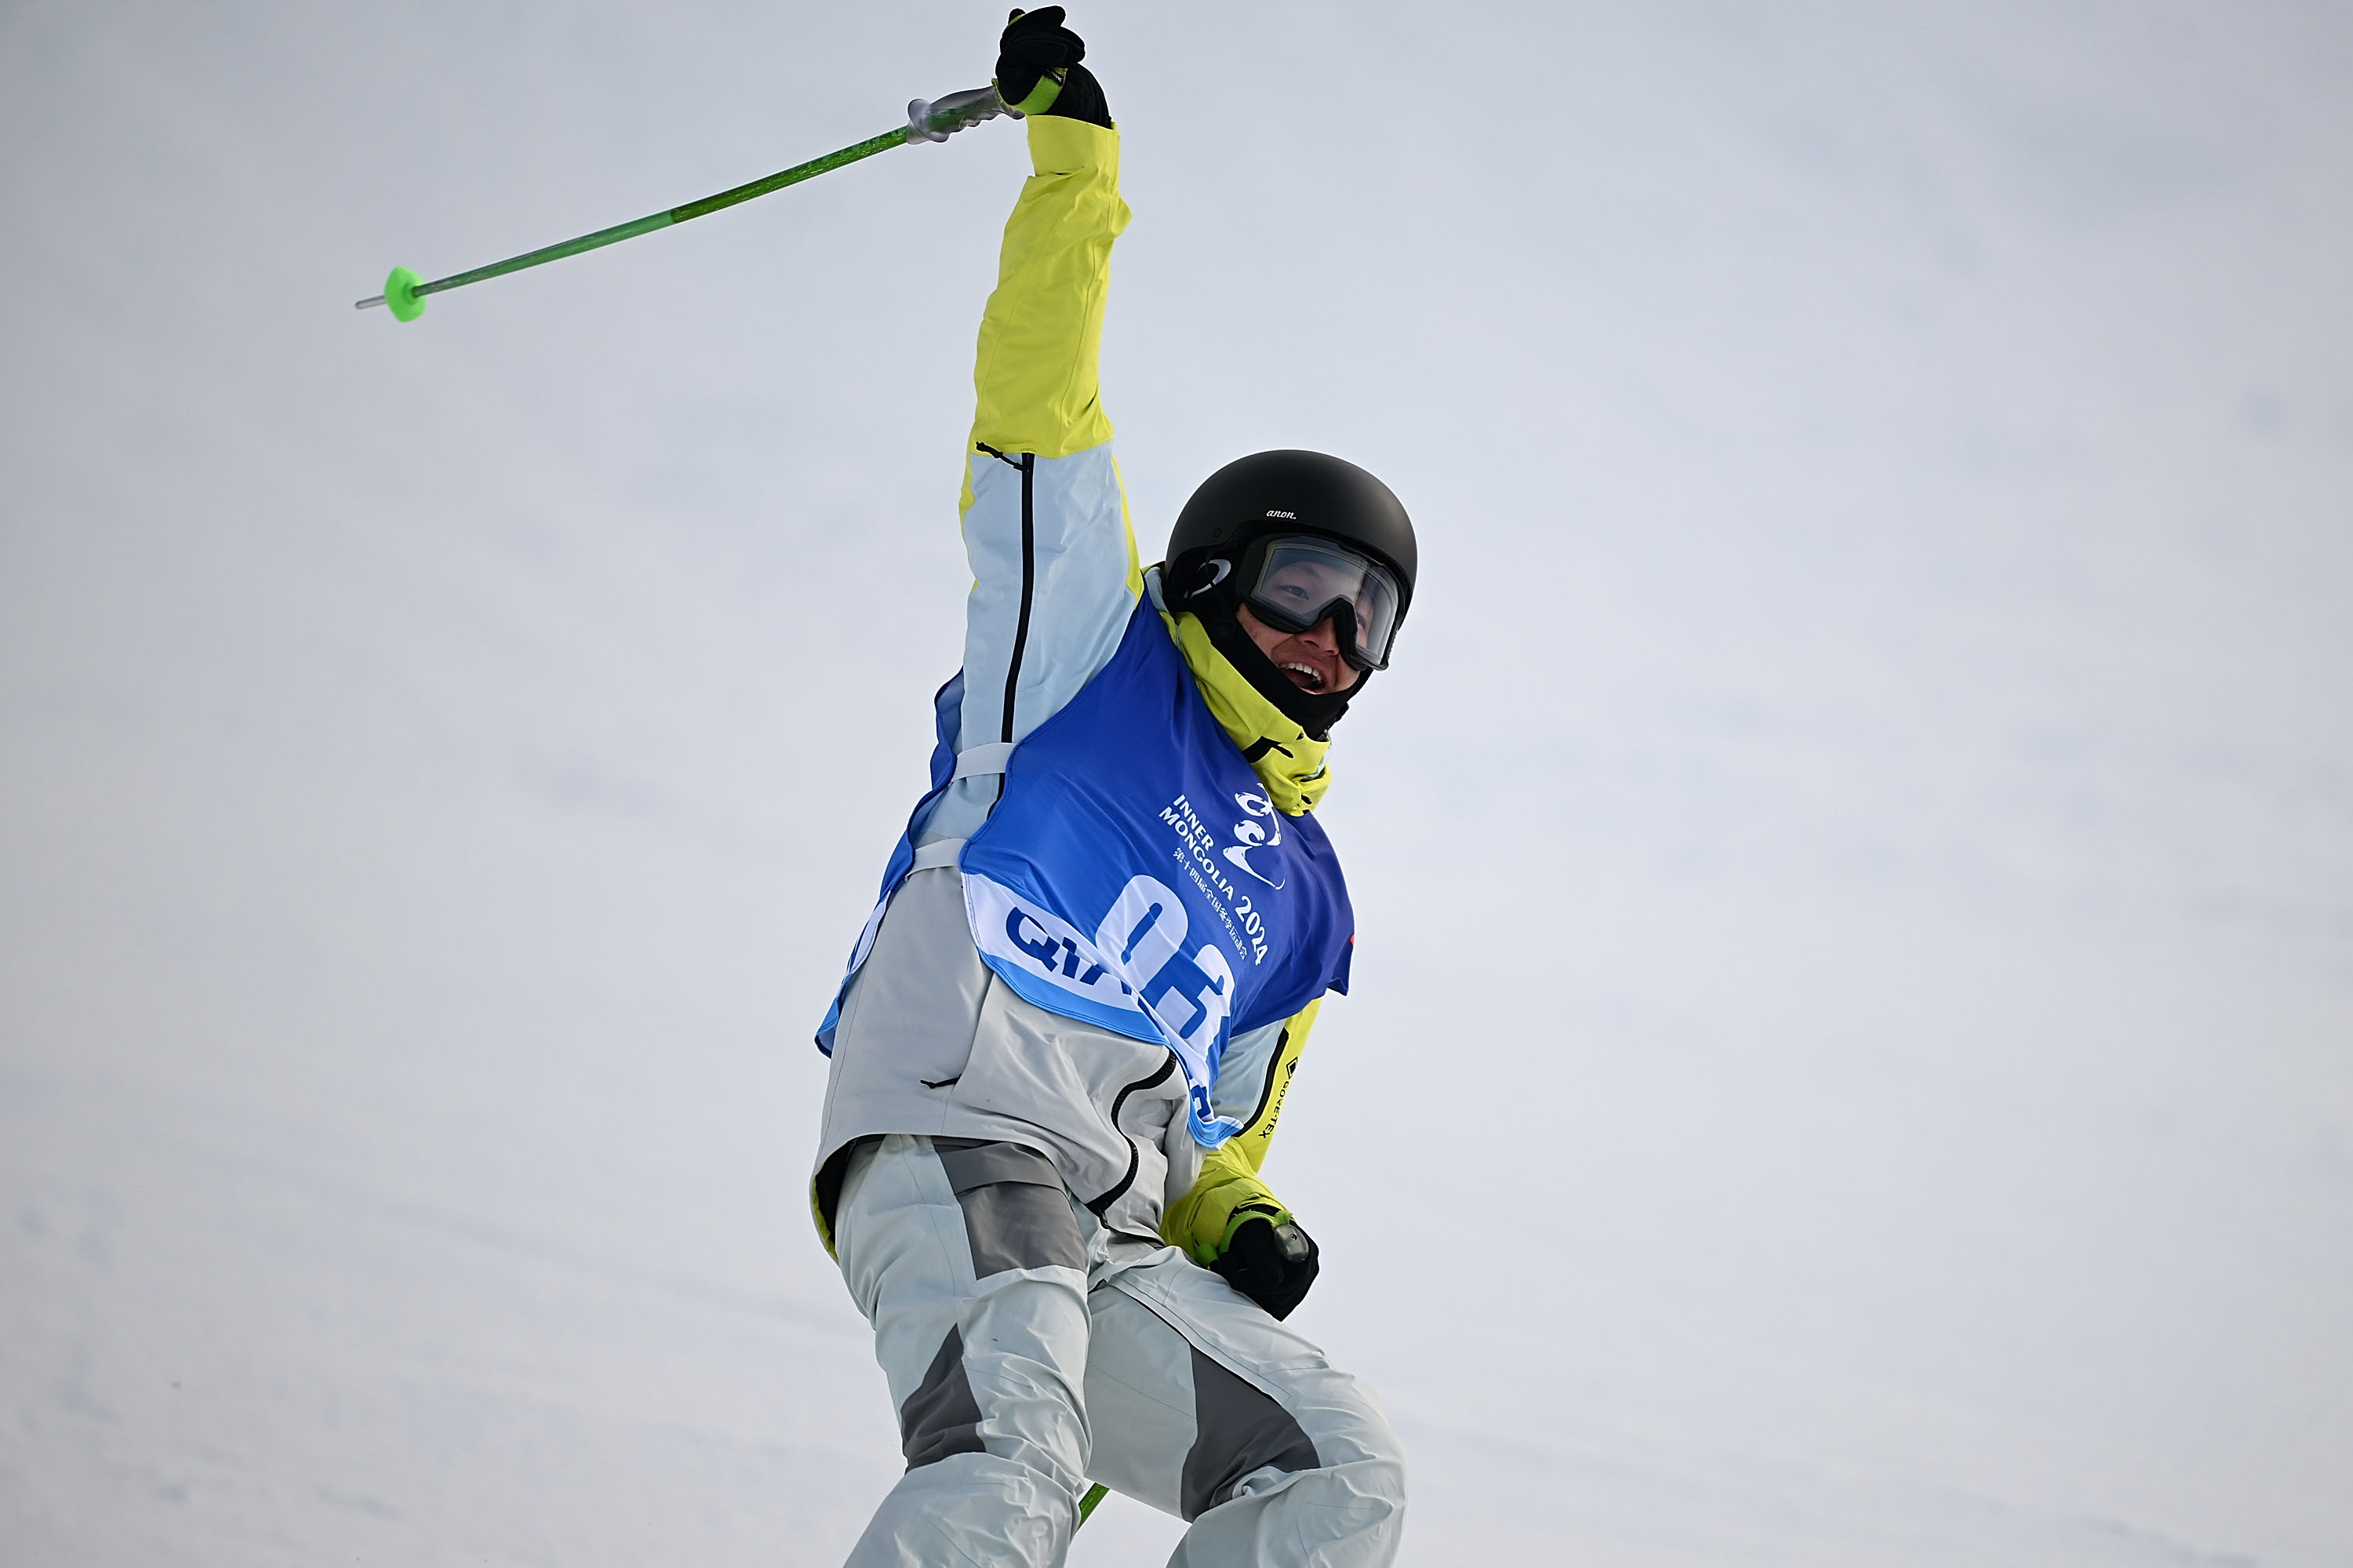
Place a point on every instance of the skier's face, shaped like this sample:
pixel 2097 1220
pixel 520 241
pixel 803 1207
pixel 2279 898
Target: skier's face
pixel 1310 659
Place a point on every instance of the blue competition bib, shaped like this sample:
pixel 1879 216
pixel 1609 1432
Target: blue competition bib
pixel 1135 876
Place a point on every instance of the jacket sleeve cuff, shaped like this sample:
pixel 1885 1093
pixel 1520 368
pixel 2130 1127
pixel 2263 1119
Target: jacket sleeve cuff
pixel 1060 145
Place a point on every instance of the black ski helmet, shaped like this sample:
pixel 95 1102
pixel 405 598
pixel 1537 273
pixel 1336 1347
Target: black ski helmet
pixel 1281 493
pixel 1294 492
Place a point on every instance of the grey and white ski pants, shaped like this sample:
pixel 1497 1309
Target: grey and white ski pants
pixel 1029 1352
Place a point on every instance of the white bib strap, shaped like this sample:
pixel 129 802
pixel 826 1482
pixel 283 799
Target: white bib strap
pixel 938 853
pixel 980 761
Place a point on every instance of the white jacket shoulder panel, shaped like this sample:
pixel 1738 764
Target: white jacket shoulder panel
pixel 1054 584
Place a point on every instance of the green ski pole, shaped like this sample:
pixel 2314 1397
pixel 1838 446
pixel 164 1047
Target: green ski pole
pixel 926 122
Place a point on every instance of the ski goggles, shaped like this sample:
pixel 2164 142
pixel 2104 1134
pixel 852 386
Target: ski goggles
pixel 1295 581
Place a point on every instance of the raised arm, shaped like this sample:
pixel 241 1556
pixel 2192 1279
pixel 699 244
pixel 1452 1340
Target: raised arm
pixel 1055 575
pixel 1041 334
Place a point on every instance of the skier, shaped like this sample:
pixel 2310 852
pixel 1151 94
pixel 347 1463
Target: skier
pixel 1070 1024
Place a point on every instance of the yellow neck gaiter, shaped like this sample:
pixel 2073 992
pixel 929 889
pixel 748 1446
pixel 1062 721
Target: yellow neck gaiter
pixel 1290 766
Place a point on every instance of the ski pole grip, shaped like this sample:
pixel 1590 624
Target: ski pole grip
pixel 928 121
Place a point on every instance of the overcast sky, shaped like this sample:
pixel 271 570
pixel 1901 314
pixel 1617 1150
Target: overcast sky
pixel 1852 1055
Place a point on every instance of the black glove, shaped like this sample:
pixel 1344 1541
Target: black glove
pixel 1036 49
pixel 1272 1264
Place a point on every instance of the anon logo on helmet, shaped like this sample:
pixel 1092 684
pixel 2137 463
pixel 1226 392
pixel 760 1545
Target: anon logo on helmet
pixel 1271 511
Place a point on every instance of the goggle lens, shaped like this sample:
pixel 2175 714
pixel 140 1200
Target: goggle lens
pixel 1303 580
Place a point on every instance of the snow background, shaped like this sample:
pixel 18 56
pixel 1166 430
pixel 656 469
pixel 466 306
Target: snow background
pixel 1850 1060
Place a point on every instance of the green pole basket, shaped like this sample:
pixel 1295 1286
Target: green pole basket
pixel 400 295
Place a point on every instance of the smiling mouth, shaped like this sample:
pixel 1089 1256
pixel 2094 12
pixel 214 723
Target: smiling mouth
pixel 1306 677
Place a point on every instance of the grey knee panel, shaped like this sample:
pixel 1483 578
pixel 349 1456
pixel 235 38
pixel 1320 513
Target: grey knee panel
pixel 1239 1430
pixel 940 1418
pixel 1015 1213
pixel 1203 1406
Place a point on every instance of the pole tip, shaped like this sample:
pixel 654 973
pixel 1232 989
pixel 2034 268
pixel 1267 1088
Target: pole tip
pixel 400 295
